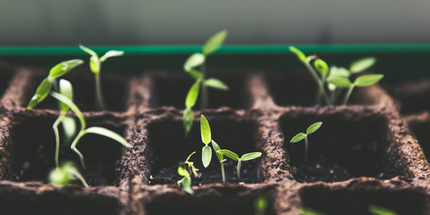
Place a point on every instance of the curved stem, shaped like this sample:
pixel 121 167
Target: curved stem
pixel 347 95
pixel 100 103
pixel 238 169
pixel 321 90
pixel 79 177
pixel 73 147
pixel 57 137
pixel 306 148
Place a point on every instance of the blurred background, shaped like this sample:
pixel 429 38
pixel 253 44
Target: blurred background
pixel 153 22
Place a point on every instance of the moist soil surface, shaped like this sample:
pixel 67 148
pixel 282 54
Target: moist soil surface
pixel 363 154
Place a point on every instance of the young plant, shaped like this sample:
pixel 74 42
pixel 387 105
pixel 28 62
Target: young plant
pixel 63 175
pixel 185 181
pixel 376 210
pixel 68 122
pixel 304 136
pixel 51 81
pixel 205 131
pixel 95 66
pixel 195 66
pixel 190 166
pixel 330 80
pixel 235 157
pixel 84 130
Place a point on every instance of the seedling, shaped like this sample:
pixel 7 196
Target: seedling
pixel 84 130
pixel 260 205
pixel 95 66
pixel 195 66
pixel 308 211
pixel 329 80
pixel 235 157
pixel 205 130
pixel 185 181
pixel 376 210
pixel 63 175
pixel 304 136
pixel 190 165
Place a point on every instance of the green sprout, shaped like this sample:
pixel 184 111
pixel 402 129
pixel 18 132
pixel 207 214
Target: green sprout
pixel 84 130
pixel 95 66
pixel 51 81
pixel 376 210
pixel 308 211
pixel 300 136
pixel 221 159
pixel 329 80
pixel 260 205
pixel 205 132
pixel 63 175
pixel 235 157
pixel 190 165
pixel 195 66
pixel 185 181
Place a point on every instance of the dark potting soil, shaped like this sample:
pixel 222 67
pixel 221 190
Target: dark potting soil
pixel 33 150
pixel 169 147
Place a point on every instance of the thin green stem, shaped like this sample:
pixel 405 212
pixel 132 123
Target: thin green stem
pixel 321 90
pixel 306 148
pixel 100 103
pixel 348 94
pixel 73 147
pixel 204 102
pixel 79 177
pixel 238 169
pixel 57 137
pixel 222 172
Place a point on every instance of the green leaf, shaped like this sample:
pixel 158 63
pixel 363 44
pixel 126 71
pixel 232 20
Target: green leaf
pixel 215 83
pixel 338 71
pixel 339 81
pixel 192 95
pixel 376 210
pixel 42 91
pixel 59 177
pixel 362 65
pixel 66 90
pixel 195 60
pixel 88 50
pixel 314 127
pixel 206 155
pixel 205 130
pixel 367 80
pixel 188 118
pixel 321 66
pixel 72 106
pixel 64 67
pixel 250 156
pixel 299 54
pixel 229 154
pixel 69 127
pixel 214 42
pixel 111 53
pixel 108 133
pixel 186 185
pixel 95 64
pixel 182 171
pixel 299 137
pixel 195 74
pixel 216 147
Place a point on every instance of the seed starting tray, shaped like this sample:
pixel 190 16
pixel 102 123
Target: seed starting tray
pixel 364 154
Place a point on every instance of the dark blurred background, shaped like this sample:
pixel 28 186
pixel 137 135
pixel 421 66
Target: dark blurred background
pixel 151 22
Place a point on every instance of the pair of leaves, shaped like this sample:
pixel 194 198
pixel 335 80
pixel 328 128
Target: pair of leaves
pixel 95 61
pixel 45 86
pixel 311 129
pixel 186 180
pixel 362 81
pixel 235 157
pixel 63 175
pixel 205 133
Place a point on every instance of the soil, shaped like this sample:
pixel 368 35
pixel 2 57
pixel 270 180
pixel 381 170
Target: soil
pixel 363 154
